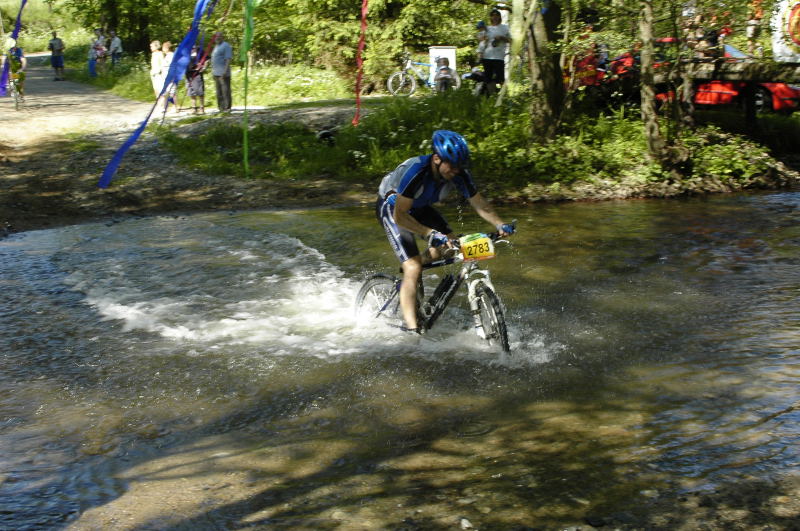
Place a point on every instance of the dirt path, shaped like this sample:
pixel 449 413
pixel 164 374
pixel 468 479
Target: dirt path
pixel 54 108
pixel 45 181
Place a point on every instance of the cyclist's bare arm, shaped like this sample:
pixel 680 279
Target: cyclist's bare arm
pixel 403 219
pixel 486 211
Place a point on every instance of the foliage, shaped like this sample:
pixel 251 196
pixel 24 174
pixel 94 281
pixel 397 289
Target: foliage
pixel 280 152
pixel 38 22
pixel 591 149
pixel 137 22
pixel 780 133
pixel 726 157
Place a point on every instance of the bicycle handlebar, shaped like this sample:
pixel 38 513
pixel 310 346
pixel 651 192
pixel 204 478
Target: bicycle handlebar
pixel 494 236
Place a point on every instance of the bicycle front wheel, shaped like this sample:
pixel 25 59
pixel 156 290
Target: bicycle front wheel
pixel 401 84
pixel 379 298
pixel 492 318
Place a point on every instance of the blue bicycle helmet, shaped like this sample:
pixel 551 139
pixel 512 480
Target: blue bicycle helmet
pixel 451 147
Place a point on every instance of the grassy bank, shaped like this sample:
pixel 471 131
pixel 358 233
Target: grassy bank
pixel 267 85
pixel 594 157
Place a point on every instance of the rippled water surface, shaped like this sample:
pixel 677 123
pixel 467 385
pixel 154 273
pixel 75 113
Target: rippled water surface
pixel 206 371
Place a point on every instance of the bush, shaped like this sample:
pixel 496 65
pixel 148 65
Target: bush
pixel 592 149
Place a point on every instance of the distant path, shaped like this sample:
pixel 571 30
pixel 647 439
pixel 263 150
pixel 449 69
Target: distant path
pixel 54 108
pixel 46 182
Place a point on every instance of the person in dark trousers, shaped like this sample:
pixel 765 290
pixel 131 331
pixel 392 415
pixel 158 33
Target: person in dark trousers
pixel 221 70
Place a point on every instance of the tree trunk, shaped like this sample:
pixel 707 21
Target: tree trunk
pixel 655 142
pixel 548 85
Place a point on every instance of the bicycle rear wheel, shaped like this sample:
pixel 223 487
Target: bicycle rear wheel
pixel 492 318
pixel 379 298
pixel 401 84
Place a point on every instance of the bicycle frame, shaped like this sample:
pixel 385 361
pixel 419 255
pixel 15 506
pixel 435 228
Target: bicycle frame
pixel 436 304
pixel 380 293
pixel 412 66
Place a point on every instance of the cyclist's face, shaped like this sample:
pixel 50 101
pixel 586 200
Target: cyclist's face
pixel 447 170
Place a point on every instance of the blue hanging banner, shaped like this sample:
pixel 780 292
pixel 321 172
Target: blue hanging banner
pixel 6 65
pixel 177 68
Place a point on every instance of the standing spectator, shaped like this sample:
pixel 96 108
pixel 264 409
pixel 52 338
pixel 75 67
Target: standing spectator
pixel 100 49
pixel 115 48
pixel 56 47
pixel 195 84
pixel 494 55
pixel 92 56
pixel 156 60
pixel 221 70
pixel 169 93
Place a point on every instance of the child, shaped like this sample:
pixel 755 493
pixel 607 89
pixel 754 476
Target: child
pixel 481 36
pixel 444 74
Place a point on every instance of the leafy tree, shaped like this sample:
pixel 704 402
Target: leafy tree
pixel 137 22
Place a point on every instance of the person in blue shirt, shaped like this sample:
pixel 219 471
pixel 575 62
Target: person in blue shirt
pixel 404 209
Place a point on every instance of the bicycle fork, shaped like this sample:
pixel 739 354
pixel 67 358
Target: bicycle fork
pixel 476 277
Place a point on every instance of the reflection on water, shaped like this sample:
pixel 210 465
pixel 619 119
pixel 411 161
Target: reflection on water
pixel 206 372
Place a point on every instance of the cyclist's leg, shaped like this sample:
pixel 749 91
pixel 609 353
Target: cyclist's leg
pixel 21 84
pixel 412 272
pixel 405 248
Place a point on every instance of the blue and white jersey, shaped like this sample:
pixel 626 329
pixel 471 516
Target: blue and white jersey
pixel 414 179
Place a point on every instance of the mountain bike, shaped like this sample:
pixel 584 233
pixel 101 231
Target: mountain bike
pixel 379 296
pixel 404 82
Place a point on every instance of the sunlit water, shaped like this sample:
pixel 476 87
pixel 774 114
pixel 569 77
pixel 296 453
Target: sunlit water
pixel 207 372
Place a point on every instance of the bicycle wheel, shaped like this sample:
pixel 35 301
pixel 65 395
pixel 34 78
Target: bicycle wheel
pixel 401 84
pixel 379 299
pixel 14 93
pixel 492 318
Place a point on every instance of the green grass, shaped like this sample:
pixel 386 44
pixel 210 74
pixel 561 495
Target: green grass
pixel 505 161
pixel 267 85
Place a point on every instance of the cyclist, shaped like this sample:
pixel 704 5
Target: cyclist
pixel 17 64
pixel 404 209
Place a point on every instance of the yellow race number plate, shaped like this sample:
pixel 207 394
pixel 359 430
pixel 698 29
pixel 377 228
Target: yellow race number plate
pixel 476 247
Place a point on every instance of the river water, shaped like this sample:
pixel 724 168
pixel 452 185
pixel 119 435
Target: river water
pixel 206 372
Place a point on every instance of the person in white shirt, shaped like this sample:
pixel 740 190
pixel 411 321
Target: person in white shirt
pixel 115 48
pixel 156 61
pixel 166 62
pixel 497 38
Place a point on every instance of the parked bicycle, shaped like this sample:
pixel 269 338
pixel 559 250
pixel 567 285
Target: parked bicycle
pixel 379 296
pixel 404 82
